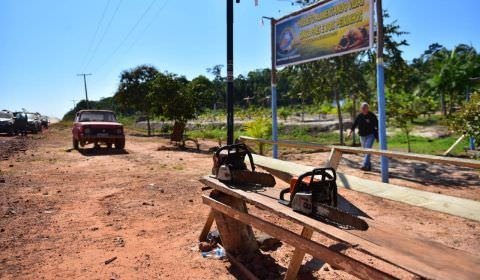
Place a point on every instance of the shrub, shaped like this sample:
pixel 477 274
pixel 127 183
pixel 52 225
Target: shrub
pixel 260 127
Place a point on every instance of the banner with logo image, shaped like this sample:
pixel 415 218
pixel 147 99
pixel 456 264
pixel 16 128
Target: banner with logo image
pixel 324 30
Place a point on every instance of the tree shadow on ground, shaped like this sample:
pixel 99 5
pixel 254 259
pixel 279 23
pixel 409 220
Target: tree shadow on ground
pixel 158 135
pixel 261 265
pixel 448 176
pixel 178 148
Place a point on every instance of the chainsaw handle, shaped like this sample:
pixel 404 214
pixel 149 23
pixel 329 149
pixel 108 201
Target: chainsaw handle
pixel 250 158
pixel 316 172
pixel 282 199
pixel 237 147
pixel 332 176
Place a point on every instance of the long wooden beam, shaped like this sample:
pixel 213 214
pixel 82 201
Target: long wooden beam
pixel 422 257
pixel 456 206
pixel 353 150
pixel 319 251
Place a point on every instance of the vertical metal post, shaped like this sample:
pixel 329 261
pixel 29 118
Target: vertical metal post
pixel 382 130
pixel 274 93
pixel 230 87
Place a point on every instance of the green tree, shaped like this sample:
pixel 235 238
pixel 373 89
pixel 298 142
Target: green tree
pixel 450 74
pixel 218 84
pixel 134 90
pixel 467 119
pixel 171 97
pixel 203 92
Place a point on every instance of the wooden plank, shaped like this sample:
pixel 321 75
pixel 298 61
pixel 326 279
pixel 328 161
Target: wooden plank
pixel 411 253
pixel 207 226
pixel 334 158
pixel 297 257
pixel 236 237
pixel 454 145
pixel 339 260
pixel 461 207
pixel 353 150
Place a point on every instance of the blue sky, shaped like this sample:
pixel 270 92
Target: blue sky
pixel 45 43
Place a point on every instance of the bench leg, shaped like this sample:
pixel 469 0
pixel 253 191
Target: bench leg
pixel 297 258
pixel 207 227
pixel 334 158
pixel 237 237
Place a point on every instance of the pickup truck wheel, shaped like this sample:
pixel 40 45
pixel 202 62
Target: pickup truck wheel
pixel 75 143
pixel 120 145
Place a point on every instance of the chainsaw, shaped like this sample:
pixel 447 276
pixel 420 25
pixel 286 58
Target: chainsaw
pixel 229 167
pixel 315 194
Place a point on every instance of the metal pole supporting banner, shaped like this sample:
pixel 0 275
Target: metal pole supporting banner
pixel 274 93
pixel 230 87
pixel 382 130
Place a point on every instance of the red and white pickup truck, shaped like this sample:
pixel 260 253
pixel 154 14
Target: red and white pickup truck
pixel 97 127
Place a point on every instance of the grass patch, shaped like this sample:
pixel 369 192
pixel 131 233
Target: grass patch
pixel 422 145
pixel 212 133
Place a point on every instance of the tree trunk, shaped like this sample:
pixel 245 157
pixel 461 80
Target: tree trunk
pixel 408 142
pixel 149 129
pixel 442 104
pixel 339 112
pixel 303 110
pixel 354 113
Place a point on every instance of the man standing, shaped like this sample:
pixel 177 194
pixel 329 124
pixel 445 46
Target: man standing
pixel 367 124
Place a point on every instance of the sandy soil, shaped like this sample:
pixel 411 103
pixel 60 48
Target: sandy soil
pixel 64 213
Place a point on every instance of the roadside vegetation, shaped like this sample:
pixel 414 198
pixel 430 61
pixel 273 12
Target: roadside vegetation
pixel 432 89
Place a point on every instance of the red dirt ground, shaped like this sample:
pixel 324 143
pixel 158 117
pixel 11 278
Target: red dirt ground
pixel 63 213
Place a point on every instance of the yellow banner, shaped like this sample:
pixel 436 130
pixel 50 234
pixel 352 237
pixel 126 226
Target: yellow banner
pixel 324 30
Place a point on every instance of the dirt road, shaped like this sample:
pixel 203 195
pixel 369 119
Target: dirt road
pixel 64 213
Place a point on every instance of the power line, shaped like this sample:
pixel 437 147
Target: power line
pixel 104 33
pixel 102 17
pixel 149 24
pixel 128 34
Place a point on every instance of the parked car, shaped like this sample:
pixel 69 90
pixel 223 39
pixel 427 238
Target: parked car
pixel 6 122
pixel 20 123
pixel 97 127
pixel 34 124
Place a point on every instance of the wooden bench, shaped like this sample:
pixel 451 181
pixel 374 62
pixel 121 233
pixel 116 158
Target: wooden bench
pixel 178 135
pixel 424 258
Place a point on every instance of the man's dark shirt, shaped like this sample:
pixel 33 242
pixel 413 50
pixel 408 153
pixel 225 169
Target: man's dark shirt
pixel 367 124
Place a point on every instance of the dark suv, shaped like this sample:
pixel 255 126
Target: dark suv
pixel 34 124
pixel 6 122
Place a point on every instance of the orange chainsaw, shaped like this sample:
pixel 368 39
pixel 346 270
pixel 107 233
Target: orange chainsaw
pixel 229 167
pixel 315 194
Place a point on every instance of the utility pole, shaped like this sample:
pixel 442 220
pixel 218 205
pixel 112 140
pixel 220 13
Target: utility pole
pixel 382 130
pixel 273 88
pixel 85 84
pixel 230 87
pixel 74 103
